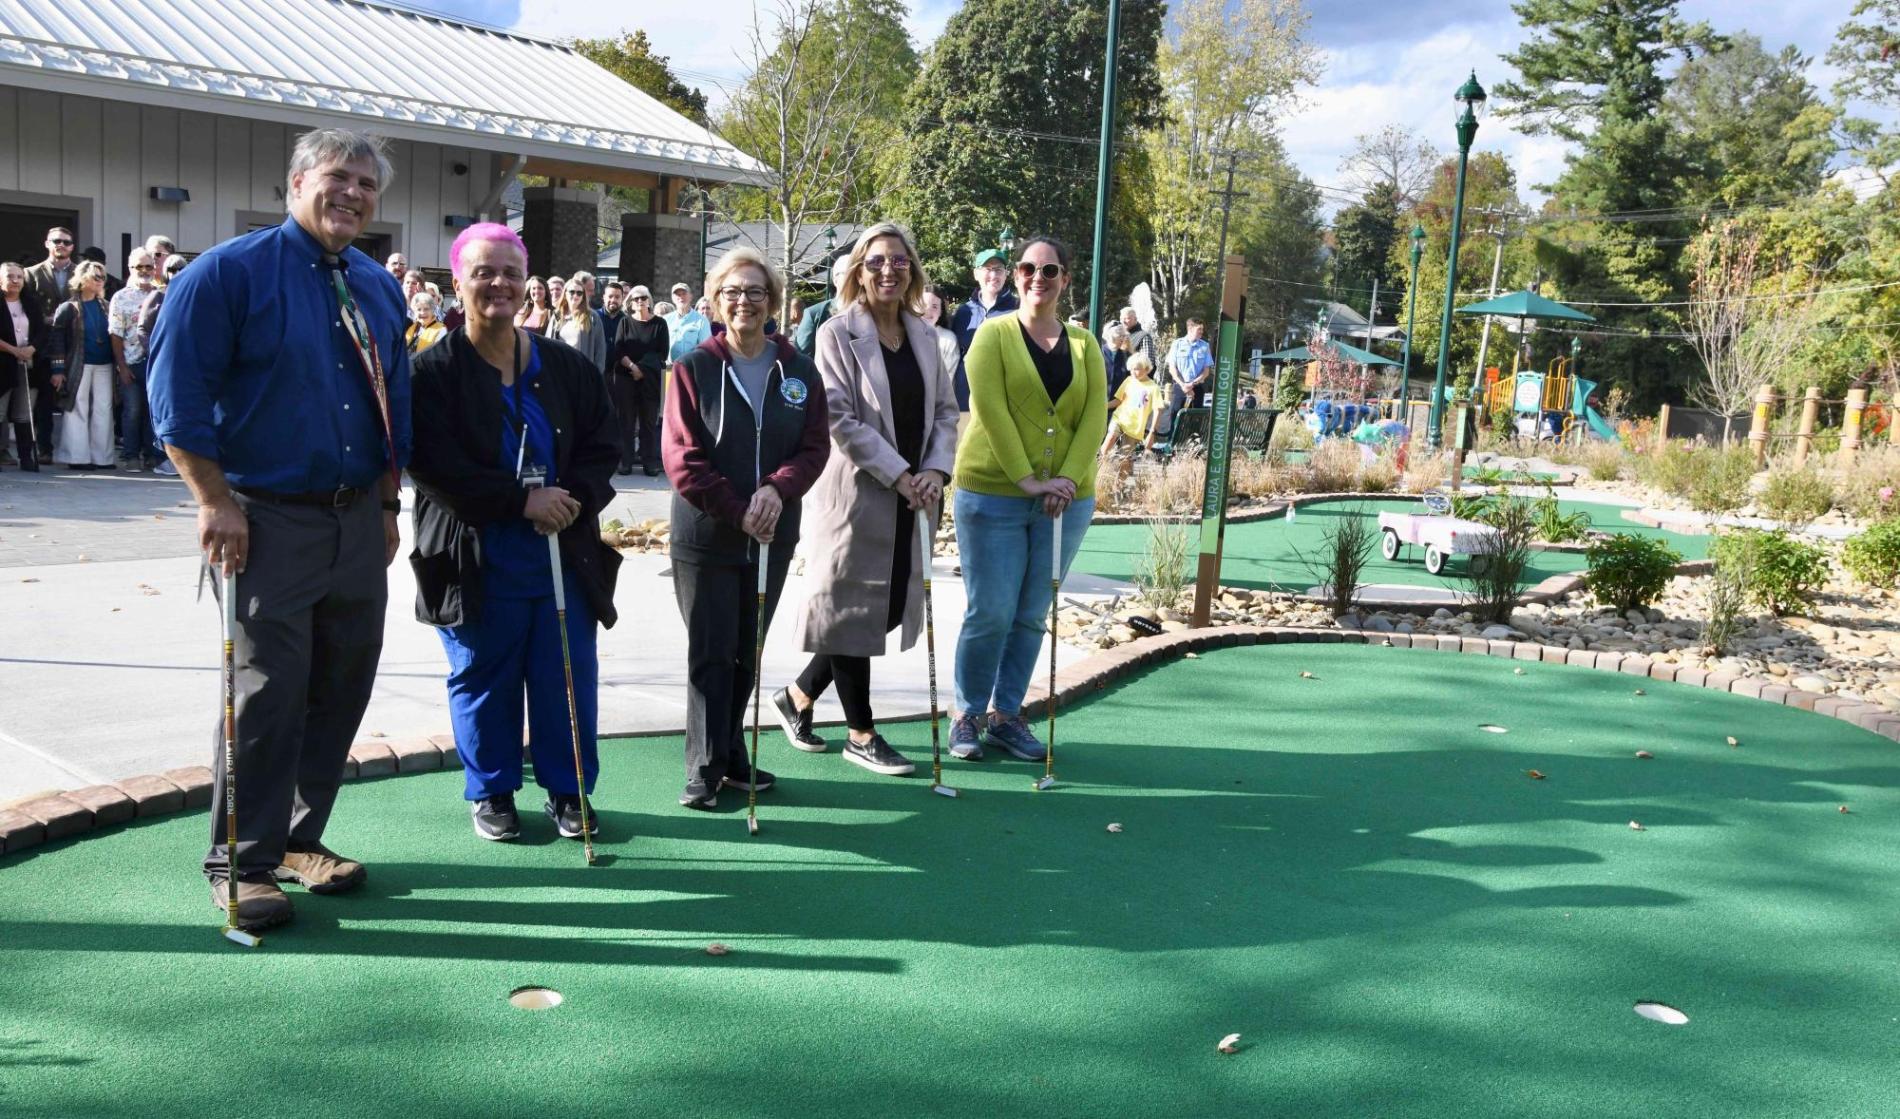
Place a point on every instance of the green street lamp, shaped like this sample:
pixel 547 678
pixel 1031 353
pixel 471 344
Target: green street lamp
pixel 1411 315
pixel 831 249
pixel 1471 96
pixel 1006 240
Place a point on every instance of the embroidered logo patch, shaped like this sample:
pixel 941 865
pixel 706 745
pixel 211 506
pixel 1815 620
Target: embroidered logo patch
pixel 793 390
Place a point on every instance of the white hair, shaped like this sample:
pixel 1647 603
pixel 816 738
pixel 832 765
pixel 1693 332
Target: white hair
pixel 158 241
pixel 322 146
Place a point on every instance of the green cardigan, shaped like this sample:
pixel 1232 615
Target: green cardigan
pixel 1015 431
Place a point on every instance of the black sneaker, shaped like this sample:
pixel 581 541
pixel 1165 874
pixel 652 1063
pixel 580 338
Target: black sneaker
pixel 796 723
pixel 700 797
pixel 565 811
pixel 757 781
pixel 878 757
pixel 496 818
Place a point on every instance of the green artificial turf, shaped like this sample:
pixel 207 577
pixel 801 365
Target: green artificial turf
pixel 1344 870
pixel 1274 554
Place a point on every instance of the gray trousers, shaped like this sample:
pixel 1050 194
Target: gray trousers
pixel 720 605
pixel 311 601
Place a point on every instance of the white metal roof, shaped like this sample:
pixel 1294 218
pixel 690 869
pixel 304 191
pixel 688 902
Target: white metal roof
pixel 415 75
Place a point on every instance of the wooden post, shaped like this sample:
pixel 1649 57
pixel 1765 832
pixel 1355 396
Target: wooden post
pixel 1758 426
pixel 1220 446
pixel 1662 430
pixel 1850 426
pixel 1804 437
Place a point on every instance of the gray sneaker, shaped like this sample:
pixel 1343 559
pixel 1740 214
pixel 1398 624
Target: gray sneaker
pixel 166 468
pixel 1013 737
pixel 965 730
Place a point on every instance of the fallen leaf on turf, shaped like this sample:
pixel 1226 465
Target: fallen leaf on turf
pixel 1644 754
pixel 1116 828
pixel 1229 1044
pixel 1192 656
pixel 1634 826
pixel 1517 672
pixel 1843 808
pixel 1306 676
pixel 1640 691
pixel 1387 643
pixel 1533 775
pixel 717 949
pixel 1732 742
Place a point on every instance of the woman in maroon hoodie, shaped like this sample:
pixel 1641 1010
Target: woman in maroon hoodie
pixel 745 436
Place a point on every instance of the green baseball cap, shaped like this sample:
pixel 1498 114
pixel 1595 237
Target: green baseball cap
pixel 984 256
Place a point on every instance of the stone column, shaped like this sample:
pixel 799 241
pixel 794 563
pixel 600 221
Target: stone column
pixel 660 250
pixel 561 227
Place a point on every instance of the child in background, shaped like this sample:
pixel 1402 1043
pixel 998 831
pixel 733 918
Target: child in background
pixel 1137 406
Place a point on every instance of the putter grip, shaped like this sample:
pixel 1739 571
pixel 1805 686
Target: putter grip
pixel 923 542
pixel 1055 551
pixel 554 563
pixel 765 569
pixel 230 605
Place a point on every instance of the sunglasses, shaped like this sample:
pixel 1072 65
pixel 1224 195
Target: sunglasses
pixel 144 268
pixel 642 299
pixel 58 241
pixel 894 263
pixel 1026 271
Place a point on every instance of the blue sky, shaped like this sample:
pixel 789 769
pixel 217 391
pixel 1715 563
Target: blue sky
pixel 1386 61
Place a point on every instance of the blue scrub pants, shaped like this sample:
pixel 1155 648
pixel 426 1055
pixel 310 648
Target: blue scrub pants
pixel 512 651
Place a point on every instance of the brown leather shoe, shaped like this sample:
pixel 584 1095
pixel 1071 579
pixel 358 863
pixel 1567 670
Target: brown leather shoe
pixel 321 870
pixel 261 905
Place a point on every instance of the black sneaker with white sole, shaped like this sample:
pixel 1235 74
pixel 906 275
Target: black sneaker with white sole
pixel 565 811
pixel 878 757
pixel 757 781
pixel 796 724
pixel 697 795
pixel 496 818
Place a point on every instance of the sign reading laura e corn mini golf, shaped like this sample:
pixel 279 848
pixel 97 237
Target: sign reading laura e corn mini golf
pixel 1220 437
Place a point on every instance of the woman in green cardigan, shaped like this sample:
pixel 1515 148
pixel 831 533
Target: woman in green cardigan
pixel 1038 410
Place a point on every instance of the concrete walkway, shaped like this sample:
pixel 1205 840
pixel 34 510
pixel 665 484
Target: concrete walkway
pixel 109 667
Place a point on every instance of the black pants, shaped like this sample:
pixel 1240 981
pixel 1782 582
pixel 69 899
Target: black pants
pixel 311 601
pixel 853 674
pixel 719 604
pixel 637 405
pixel 43 402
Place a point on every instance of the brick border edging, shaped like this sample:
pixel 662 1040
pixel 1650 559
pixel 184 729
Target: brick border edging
pixel 78 811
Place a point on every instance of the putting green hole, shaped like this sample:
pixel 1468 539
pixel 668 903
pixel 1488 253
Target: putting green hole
pixel 1662 1012
pixel 1493 728
pixel 535 998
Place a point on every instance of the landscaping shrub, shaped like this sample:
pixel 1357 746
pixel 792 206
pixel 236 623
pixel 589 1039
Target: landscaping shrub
pixel 1675 470
pixel 1161 572
pixel 1603 460
pixel 1873 556
pixel 1795 496
pixel 1381 475
pixel 1871 490
pixel 1629 571
pixel 1493 575
pixel 1344 549
pixel 1290 433
pixel 1469 506
pixel 1335 467
pixel 1722 485
pixel 1728 593
pixel 1553 524
pixel 1779 573
pixel 1423 469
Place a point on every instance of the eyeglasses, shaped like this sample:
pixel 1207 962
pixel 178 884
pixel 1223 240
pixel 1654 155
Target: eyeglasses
pixel 643 299
pixel 143 268
pixel 894 263
pixel 749 295
pixel 1026 271
pixel 59 240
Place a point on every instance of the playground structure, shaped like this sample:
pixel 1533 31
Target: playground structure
pixel 1553 404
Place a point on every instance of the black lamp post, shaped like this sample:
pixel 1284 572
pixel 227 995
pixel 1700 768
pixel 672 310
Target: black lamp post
pixel 1471 96
pixel 831 247
pixel 1411 315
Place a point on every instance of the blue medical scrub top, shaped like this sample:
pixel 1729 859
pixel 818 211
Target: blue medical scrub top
pixel 515 561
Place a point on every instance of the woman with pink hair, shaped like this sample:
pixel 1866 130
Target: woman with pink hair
pixel 515 441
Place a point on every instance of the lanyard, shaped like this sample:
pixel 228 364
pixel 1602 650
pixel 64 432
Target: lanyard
pixel 357 327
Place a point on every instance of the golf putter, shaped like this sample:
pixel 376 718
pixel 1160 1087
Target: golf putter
pixel 930 644
pixel 232 932
pixel 1048 778
pixel 573 714
pixel 758 669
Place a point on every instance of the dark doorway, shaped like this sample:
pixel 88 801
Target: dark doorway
pixel 23 230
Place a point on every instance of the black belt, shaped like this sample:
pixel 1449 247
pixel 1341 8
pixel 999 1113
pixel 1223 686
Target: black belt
pixel 331 499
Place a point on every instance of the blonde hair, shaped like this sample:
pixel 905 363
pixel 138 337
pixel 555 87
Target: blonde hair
pixel 741 257
pixel 851 288
pixel 1138 361
pixel 83 271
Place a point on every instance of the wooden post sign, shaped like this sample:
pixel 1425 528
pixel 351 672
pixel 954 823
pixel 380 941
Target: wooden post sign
pixel 1220 437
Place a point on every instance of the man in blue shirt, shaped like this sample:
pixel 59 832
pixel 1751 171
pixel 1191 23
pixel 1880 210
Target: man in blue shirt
pixel 1190 363
pixel 279 386
pixel 990 270
pixel 685 326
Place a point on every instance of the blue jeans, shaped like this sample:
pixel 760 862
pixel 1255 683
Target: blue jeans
pixel 1003 544
pixel 136 437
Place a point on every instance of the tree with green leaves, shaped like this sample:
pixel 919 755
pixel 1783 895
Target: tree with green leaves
pixel 1866 51
pixel 999 130
pixel 630 58
pixel 1364 235
pixel 1749 125
pixel 1489 183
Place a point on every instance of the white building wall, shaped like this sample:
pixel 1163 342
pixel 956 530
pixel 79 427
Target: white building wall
pixel 102 157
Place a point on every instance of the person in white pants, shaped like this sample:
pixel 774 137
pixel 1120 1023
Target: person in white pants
pixel 81 347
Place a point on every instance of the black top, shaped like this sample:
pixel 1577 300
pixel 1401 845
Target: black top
pixel 1055 367
pixel 907 401
pixel 1117 362
pixel 645 343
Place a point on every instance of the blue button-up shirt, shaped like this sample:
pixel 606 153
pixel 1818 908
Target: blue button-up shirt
pixel 251 366
pixel 687 329
pixel 1189 358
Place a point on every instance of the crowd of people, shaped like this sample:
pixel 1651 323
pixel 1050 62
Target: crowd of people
pixel 842 424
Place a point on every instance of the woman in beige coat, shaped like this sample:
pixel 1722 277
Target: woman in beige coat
pixel 894 424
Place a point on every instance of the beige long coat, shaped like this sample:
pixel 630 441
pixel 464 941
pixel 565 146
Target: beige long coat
pixel 850 527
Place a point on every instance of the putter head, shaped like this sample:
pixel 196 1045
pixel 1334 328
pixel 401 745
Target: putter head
pixel 945 791
pixel 239 936
pixel 1047 782
pixel 752 825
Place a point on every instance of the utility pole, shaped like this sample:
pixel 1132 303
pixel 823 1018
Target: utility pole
pixel 1099 260
pixel 1497 260
pixel 1226 197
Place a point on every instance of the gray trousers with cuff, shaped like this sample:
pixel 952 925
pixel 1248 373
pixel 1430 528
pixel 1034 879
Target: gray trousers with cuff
pixel 311 601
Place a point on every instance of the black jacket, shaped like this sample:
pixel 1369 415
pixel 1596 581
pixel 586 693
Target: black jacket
pixel 461 482
pixel 36 329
